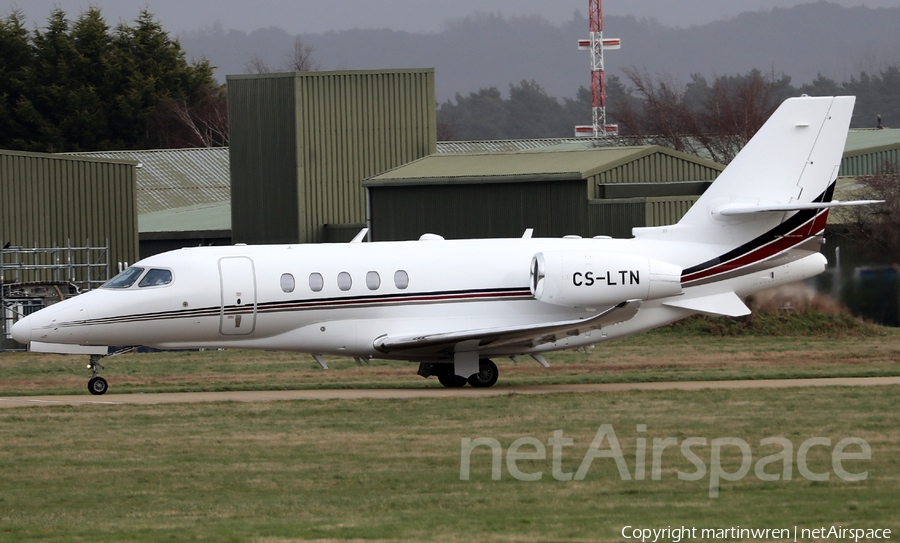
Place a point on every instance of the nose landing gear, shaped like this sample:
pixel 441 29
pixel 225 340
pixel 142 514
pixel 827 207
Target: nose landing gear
pixel 97 385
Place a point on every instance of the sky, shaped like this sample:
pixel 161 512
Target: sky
pixel 317 16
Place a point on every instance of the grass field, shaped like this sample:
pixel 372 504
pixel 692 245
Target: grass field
pixel 390 470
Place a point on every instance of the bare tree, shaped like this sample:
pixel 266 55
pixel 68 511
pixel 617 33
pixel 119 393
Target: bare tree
pixel 445 132
pixel 660 115
pixel 875 227
pixel 298 59
pixel 711 121
pixel 204 123
pixel 256 65
pixel 734 110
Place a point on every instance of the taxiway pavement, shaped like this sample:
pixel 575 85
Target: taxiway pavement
pixel 401 393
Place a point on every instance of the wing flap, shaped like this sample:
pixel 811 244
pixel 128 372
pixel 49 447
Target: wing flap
pixel 442 345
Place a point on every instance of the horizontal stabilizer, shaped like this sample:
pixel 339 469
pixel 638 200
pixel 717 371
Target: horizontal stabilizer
pixel 728 304
pixel 729 210
pixel 444 344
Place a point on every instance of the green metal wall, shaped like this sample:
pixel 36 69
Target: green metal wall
pixel 616 218
pixel 302 143
pixel 658 167
pixel 55 200
pixel 263 153
pixel 496 210
pixel 662 211
pixel 869 163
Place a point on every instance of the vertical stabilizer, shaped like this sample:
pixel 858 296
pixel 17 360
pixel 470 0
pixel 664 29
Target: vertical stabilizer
pixel 793 159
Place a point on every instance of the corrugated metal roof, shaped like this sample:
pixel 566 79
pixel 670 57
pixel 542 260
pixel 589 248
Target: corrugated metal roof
pixel 870 140
pixel 200 217
pixel 176 178
pixel 505 146
pixel 522 166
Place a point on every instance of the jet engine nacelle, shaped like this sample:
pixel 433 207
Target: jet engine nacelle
pixel 597 279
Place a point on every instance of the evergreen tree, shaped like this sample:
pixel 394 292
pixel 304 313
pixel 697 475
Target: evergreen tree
pixel 479 116
pixel 14 63
pixel 80 86
pixel 531 113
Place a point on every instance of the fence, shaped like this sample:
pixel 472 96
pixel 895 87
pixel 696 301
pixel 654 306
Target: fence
pixel 33 278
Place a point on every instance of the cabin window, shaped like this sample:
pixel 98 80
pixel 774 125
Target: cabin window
pixel 373 280
pixel 156 278
pixel 344 281
pixel 287 282
pixel 401 279
pixel 316 282
pixel 124 279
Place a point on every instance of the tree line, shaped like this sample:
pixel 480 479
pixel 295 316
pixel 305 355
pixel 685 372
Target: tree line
pixel 84 86
pixel 712 118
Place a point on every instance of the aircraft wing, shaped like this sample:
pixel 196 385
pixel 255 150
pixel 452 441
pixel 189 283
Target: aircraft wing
pixel 443 345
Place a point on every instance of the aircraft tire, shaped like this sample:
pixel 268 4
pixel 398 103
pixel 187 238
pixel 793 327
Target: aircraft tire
pixel 97 386
pixel 487 374
pixel 450 380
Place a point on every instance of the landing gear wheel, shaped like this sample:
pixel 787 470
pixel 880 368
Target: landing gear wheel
pixel 97 386
pixel 486 376
pixel 450 380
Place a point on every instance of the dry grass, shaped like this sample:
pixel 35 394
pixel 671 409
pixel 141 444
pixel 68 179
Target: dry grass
pixel 796 297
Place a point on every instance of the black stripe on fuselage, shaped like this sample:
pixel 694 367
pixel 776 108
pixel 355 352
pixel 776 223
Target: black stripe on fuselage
pixel 476 295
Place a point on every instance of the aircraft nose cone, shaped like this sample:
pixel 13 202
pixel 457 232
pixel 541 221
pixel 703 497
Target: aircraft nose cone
pixel 21 331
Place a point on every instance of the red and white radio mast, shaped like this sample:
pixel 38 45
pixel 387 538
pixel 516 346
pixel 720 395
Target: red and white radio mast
pixel 596 45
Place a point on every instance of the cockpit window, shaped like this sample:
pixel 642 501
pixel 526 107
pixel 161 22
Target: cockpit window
pixel 124 279
pixel 156 278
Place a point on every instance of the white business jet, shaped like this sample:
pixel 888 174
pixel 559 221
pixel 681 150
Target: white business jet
pixel 451 306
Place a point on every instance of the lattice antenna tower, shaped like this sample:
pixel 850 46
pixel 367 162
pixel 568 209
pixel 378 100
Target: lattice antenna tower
pixel 596 45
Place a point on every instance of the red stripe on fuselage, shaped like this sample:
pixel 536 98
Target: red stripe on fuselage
pixel 797 236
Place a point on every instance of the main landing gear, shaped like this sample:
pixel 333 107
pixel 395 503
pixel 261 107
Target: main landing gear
pixel 486 375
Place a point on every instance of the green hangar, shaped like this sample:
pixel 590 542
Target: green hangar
pixel 571 188
pixel 72 204
pixel 302 142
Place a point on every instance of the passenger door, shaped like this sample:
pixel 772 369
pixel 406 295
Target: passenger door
pixel 237 277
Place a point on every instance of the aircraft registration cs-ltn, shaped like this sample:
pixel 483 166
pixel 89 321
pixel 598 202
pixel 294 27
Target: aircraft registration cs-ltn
pixel 453 305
